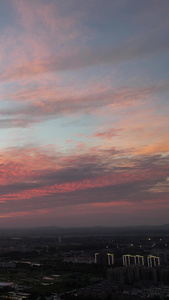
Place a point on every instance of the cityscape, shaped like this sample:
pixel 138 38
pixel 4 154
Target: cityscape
pixel 88 263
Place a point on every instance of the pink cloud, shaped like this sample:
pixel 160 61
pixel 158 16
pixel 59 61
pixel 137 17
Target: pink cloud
pixel 32 165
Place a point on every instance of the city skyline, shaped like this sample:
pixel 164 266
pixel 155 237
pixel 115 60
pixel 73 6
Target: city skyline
pixel 84 113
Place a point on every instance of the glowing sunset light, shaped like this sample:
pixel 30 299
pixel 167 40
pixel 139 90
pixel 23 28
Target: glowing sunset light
pixel 84 115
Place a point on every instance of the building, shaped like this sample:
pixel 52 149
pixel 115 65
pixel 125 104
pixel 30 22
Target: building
pixel 153 261
pixel 104 258
pixel 133 260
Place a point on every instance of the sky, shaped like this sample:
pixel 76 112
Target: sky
pixel 84 113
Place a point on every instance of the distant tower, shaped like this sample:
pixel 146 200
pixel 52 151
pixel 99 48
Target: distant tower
pixel 96 257
pixel 59 239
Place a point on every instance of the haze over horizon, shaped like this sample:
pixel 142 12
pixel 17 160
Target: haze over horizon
pixel 84 113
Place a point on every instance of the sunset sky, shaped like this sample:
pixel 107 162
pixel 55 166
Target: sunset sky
pixel 84 112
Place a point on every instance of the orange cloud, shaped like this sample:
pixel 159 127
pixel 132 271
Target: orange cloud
pixel 24 213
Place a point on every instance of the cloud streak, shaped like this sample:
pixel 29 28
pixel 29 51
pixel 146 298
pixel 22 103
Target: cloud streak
pixel 36 106
pixel 116 179
pixel 87 58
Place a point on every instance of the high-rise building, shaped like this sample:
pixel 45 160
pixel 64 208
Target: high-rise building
pixel 104 258
pixel 133 260
pixel 153 261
